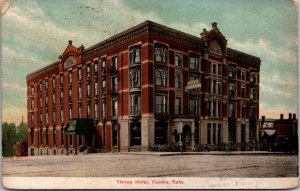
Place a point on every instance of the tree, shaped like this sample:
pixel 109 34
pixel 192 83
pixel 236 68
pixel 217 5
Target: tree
pixel 8 139
pixel 22 132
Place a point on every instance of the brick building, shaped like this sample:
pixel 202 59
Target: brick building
pixel 137 86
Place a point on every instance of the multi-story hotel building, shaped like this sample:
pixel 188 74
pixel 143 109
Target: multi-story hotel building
pixel 137 87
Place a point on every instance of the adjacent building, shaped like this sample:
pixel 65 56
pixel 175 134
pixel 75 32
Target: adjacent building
pixel 149 85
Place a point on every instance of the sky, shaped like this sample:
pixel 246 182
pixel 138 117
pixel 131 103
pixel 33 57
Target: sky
pixel 35 33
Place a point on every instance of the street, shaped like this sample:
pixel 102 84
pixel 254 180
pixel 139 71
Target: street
pixel 151 165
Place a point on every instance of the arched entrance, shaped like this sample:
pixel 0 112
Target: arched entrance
pixel 186 137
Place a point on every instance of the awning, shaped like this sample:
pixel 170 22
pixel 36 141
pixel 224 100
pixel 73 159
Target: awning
pixel 79 127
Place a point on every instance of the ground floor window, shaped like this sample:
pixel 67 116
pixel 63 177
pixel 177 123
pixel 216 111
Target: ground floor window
pixel 115 135
pixel 208 133
pixel 197 133
pixel 243 133
pixel 104 134
pixel 161 133
pixel 214 133
pixel 135 133
pixel 232 133
pixel 219 133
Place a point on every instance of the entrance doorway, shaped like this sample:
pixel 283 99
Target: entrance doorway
pixel 186 137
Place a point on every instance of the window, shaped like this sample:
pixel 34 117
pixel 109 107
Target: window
pixel 193 104
pixel 243 109
pixel 32 119
pixel 41 87
pixel 32 104
pixel 135 133
pixel 243 75
pixel 220 109
pixel 114 65
pixel 54 117
pixel 53 99
pixel 32 136
pixel 46 99
pixel 96 67
pixel 79 74
pixel 209 108
pixel 135 55
pixel 54 136
pixel 41 102
pixel 62 136
pixel 62 115
pixel 96 110
pixel 220 69
pixel 88 90
pixel 231 109
pixel 193 64
pixel 61 97
pixel 135 104
pixel 160 77
pixel 252 111
pixel 214 133
pixel 192 77
pixel 31 91
pixel 70 77
pixel 79 111
pixel 41 136
pixel 104 133
pixel 161 55
pixel 231 90
pixel 219 84
pixel 231 71
pixel 214 86
pixel 53 82
pixel 252 93
pixel 219 133
pixel 243 91
pixel 114 84
pixel 231 133
pixel 135 78
pixel 104 109
pixel 253 77
pixel 177 59
pixel 96 88
pixel 197 133
pixel 79 92
pixel 161 104
pixel 104 86
pixel 177 105
pixel 41 118
pixel 115 108
pixel 47 118
pixel 214 68
pixel 70 95
pixel 160 133
pixel 70 112
pixel 115 135
pixel 61 80
pixel 214 107
pixel 178 81
pixel 103 65
pixel 89 110
pixel 46 84
pixel 88 71
pixel 208 133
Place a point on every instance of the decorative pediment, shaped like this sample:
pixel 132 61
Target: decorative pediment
pixel 70 61
pixel 215 47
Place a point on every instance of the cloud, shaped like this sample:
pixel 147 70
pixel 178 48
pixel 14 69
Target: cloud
pixel 13 86
pixel 275 111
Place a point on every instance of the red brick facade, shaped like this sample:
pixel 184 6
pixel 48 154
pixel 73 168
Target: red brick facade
pixel 134 86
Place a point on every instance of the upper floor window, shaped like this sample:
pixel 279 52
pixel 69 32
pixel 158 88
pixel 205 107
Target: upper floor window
pixel 231 90
pixel 41 102
pixel 193 105
pixel 219 69
pixel 243 91
pixel 41 118
pixel 231 109
pixel 70 112
pixel 96 110
pixel 88 90
pixel 114 84
pixel 88 71
pixel 231 71
pixel 178 80
pixel 70 77
pixel 31 90
pixel 54 117
pixel 103 85
pixel 135 55
pixel 161 54
pixel 41 87
pixel 103 109
pixel 177 105
pixel 32 119
pixel 61 97
pixel 252 93
pixel 103 61
pixel 252 111
pixel 135 104
pixel 161 77
pixel 61 115
pixel 53 82
pixel 96 67
pixel 61 80
pixel 219 84
pixel 79 111
pixel 114 107
pixel 114 64
pixel 53 99
pixel 160 104
pixel 70 95
pixel 96 88
pixel 79 74
pixel 47 118
pixel 178 60
pixel 135 78
pixel 243 75
pixel 214 68
pixel 193 77
pixel 89 110
pixel 32 104
pixel 253 77
pixel 46 84
pixel 193 62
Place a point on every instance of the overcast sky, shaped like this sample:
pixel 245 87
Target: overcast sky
pixel 35 33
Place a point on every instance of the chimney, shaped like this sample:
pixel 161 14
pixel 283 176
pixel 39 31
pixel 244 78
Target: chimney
pixel 294 116
pixel 70 42
pixel 214 25
pixel 203 33
pixel 281 116
pixel 290 115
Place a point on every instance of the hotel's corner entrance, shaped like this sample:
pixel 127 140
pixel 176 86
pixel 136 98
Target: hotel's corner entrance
pixel 183 133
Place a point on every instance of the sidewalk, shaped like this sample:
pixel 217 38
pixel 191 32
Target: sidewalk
pixel 208 153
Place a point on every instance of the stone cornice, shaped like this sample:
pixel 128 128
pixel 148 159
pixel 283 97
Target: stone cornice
pixel 237 56
pixel 42 70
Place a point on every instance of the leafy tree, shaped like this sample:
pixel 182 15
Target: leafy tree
pixel 8 139
pixel 22 132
